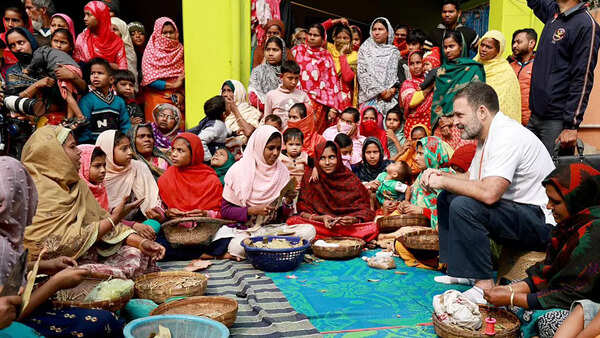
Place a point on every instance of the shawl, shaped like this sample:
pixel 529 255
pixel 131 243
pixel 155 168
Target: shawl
pixel 346 96
pixel 337 194
pixel 16 80
pixel 69 22
pixel 9 57
pixel 129 49
pixel 433 57
pixel 68 215
pixel 251 181
pixel 377 69
pixel 163 57
pixel 240 98
pixel 317 75
pixel 157 153
pixel 420 114
pixel 436 153
pixel 308 127
pixel 103 42
pixel 122 181
pixel 98 190
pixel 451 77
pixel 462 157
pixel 17 187
pixel 570 269
pixel 266 77
pixel 370 128
pixel 222 170
pixel 193 187
pixel 365 171
pixel 500 75
pixel 164 141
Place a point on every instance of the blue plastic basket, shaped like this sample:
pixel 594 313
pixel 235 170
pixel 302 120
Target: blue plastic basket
pixel 181 326
pixel 276 260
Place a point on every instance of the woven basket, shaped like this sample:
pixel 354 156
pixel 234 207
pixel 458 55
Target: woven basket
pixel 78 294
pixel 393 223
pixel 513 263
pixel 344 251
pixel 159 286
pixel 422 239
pixel 202 233
pixel 507 325
pixel 221 309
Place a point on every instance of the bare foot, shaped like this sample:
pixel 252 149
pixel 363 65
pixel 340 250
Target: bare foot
pixel 206 256
pixel 233 258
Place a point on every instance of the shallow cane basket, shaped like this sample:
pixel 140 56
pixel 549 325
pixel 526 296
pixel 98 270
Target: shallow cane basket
pixel 221 309
pixel 159 286
pixel 393 223
pixel 348 248
pixel 74 297
pixel 202 233
pixel 422 239
pixel 507 325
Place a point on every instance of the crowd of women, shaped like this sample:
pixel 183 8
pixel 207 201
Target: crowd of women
pixel 327 136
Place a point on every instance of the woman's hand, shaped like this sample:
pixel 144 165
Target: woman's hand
pixel 152 249
pixel 55 265
pixel 178 82
pixel 411 209
pixel 498 296
pixel 328 221
pixel 343 21
pixel 314 176
pixel 346 49
pixel 124 208
pixel 348 221
pixel 46 82
pixel 391 135
pixel 174 213
pixel 145 231
pixel 8 309
pixel 263 210
pixel 373 185
pixel 154 214
pixel 69 278
pixel 389 207
pixel 137 120
pixel 196 213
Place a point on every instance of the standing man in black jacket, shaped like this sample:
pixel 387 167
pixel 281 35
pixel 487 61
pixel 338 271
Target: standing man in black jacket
pixel 450 15
pixel 563 72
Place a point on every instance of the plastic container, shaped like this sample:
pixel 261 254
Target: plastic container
pixel 181 326
pixel 276 260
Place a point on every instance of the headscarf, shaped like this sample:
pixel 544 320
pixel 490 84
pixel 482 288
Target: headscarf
pixel 18 202
pixel 371 128
pixel 16 80
pixel 355 27
pixel 222 170
pixel 122 181
pixel 258 56
pixel 164 141
pixel 249 113
pixel 365 171
pixel 69 22
pixel 251 181
pixel 163 57
pixel 436 153
pixel 317 75
pixel 68 215
pixel 266 77
pixel 136 26
pixel 308 127
pixel 129 49
pixel 433 57
pixel 103 42
pixel 500 75
pixel 346 95
pixel 420 114
pixel 569 270
pixel 409 155
pixel 193 187
pixel 337 194
pixel 377 68
pixel 9 58
pixel 463 156
pixel 156 171
pixel 99 190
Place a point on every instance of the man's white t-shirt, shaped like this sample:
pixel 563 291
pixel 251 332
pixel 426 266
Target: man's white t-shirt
pixel 513 152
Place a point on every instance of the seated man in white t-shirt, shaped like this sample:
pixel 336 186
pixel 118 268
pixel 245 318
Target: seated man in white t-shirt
pixel 500 198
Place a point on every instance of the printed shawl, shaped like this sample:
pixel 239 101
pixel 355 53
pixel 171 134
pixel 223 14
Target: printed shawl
pixel 337 194
pixel 193 187
pixel 163 57
pixel 570 269
pixel 164 141
pixel 99 190
pixel 420 114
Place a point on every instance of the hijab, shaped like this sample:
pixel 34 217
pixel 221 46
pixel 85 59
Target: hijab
pixel 240 98
pixel 103 42
pixel 193 187
pixel 69 21
pixel 251 181
pixel 164 141
pixel 18 203
pixel 365 171
pixel 68 215
pixel 371 128
pixel 222 170
pixel 266 77
pixel 123 181
pixel 9 57
pixel 156 171
pixel 339 193
pixel 129 49
pixel 99 190
pixel 16 80
pixel 163 57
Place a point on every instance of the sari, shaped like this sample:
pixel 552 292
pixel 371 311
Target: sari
pixel 349 87
pixel 222 170
pixel 420 114
pixel 377 70
pixel 365 171
pixel 500 75
pixel 240 98
pixel 99 190
pixel 337 194
pixel 164 141
pixel 129 49
pixel 308 127
pixel 193 187
pixel 371 129
pixel 264 78
pixel 124 181
pixel 103 42
pixel 437 153
pixel 159 162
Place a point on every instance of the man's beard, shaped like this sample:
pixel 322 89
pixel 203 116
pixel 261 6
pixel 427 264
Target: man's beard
pixel 472 131
pixel 37 25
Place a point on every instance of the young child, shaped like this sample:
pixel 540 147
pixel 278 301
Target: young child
pixel 212 129
pixel 93 171
pixel 348 124
pixel 279 101
pixel 293 156
pixel 125 85
pixel 394 125
pixel 221 161
pixel 345 143
pixel 393 182
pixel 275 121
pixel 101 107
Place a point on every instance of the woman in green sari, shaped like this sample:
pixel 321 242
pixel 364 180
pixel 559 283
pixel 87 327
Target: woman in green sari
pixel 455 73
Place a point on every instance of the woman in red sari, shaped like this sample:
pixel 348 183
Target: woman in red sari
pixel 416 101
pixel 338 204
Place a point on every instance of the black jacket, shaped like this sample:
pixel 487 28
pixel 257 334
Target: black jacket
pixel 563 72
